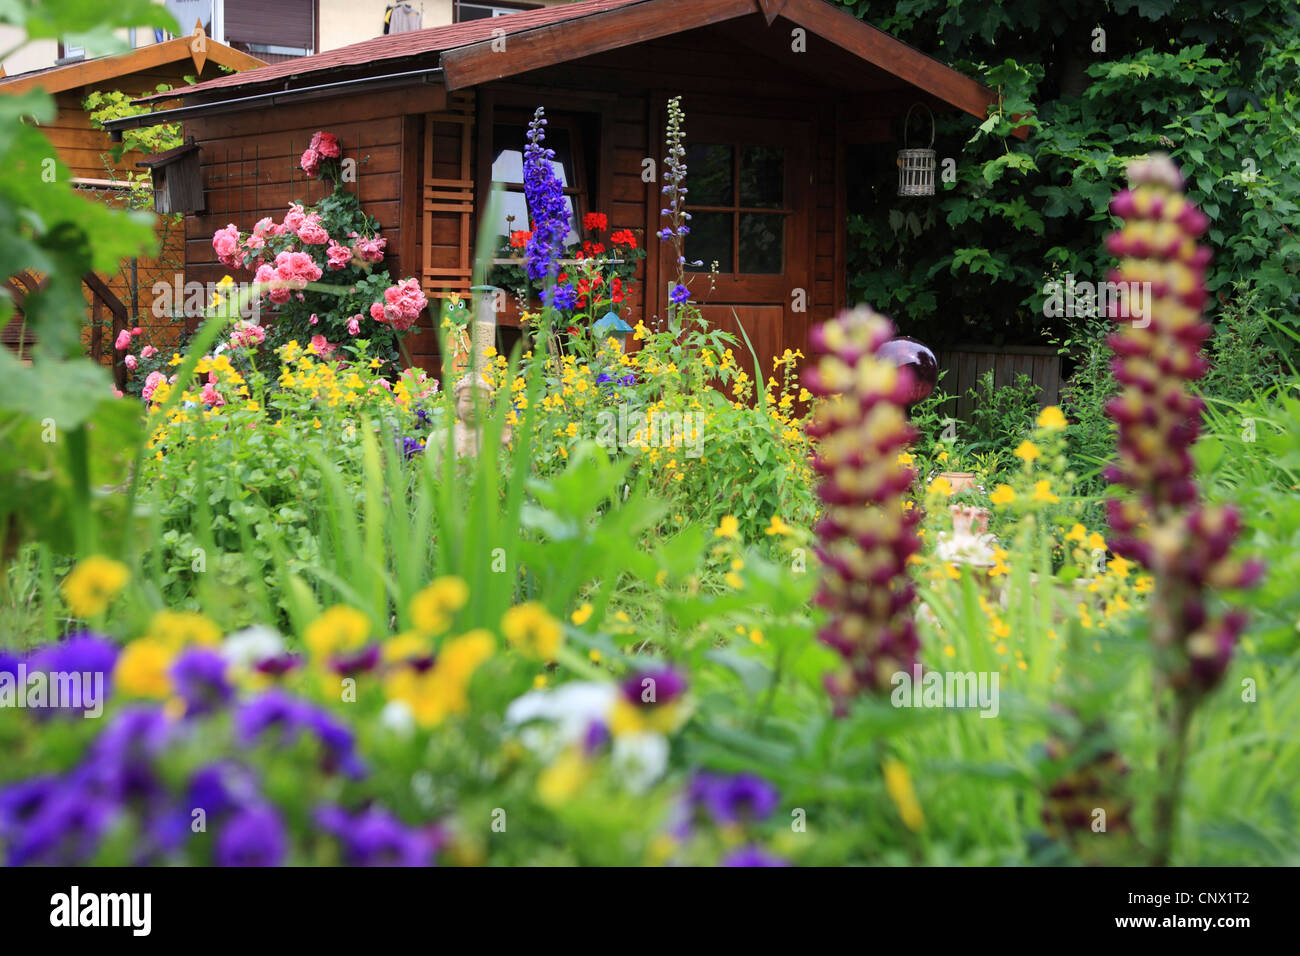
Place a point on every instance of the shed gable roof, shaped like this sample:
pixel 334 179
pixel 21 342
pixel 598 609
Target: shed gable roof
pixel 470 53
pixel 69 76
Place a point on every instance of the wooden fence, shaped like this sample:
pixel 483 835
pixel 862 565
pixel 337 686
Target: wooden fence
pixel 965 365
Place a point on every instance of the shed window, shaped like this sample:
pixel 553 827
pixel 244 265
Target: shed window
pixel 508 142
pixel 738 208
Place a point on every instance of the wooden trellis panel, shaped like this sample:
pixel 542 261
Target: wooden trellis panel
pixel 448 200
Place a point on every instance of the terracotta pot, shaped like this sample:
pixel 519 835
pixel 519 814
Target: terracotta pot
pixel 960 480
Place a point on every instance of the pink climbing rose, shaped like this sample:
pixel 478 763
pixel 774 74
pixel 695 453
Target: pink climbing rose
pixel 402 305
pixel 339 256
pixel 226 243
pixel 310 162
pixel 123 341
pixel 327 145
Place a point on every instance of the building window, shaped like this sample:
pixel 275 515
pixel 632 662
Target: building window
pixel 562 135
pixel 738 208
pixel 70 54
pixel 483 11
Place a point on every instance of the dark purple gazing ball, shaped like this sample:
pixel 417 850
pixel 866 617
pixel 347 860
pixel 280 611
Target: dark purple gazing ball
pixel 908 353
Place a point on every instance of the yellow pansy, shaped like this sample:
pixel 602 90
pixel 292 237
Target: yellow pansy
pixel 530 628
pixel 142 669
pixel 432 607
pixel 341 628
pixel 93 583
pixel 778 526
pixel 178 629
pixel 728 527
pixel 1043 491
pixel 582 615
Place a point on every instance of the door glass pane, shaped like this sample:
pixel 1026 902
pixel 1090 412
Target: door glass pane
pixel 709 175
pixel 514 204
pixel 508 154
pixel 762 242
pixel 762 176
pixel 709 240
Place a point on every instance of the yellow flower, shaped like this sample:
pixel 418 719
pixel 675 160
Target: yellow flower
pixel 93 583
pixel 1096 542
pixel 1120 567
pixel 941 486
pixel 756 636
pixel 562 780
pixel 341 628
pixel 1028 451
pixel 951 570
pixel 898 783
pixel 532 630
pixel 178 629
pixel 728 527
pixel 434 693
pixel 1076 533
pixel 407 646
pixel 1043 491
pixel 1051 418
pixel 941 457
pixel 905 459
pixel 582 615
pixel 142 669
pixel 778 526
pixel 734 580
pixel 1003 495
pixel 432 608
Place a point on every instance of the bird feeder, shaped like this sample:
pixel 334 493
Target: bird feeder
pixel 610 326
pixel 916 165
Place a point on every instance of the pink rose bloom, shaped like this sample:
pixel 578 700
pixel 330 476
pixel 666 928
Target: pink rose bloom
pixel 148 352
pixel 327 145
pixel 117 393
pixel 313 320
pixel 296 267
pixel 310 162
pixel 371 250
pixel 137 331
pixel 262 229
pixel 211 396
pixel 151 384
pixel 254 243
pixel 247 334
pixel 267 277
pixel 294 218
pixel 313 234
pixel 131 362
pixel 354 325
pixel 320 346
pixel 339 256
pixel 226 243
pixel 377 311
pixel 123 341
pixel 402 305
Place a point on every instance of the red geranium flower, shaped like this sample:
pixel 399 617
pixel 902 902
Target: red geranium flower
pixel 519 238
pixel 595 222
pixel 624 237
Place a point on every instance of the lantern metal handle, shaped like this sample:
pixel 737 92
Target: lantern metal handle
pixel 907 119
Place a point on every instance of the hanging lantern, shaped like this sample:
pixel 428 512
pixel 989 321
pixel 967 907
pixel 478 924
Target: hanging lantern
pixel 915 165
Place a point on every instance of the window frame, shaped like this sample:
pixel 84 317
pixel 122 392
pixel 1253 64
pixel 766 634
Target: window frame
pixel 579 191
pixel 736 210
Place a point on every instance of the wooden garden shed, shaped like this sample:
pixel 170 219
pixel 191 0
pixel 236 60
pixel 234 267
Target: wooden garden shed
pixel 86 151
pixel 773 91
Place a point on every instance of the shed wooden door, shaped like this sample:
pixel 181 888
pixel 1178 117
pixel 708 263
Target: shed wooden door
pixel 750 198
